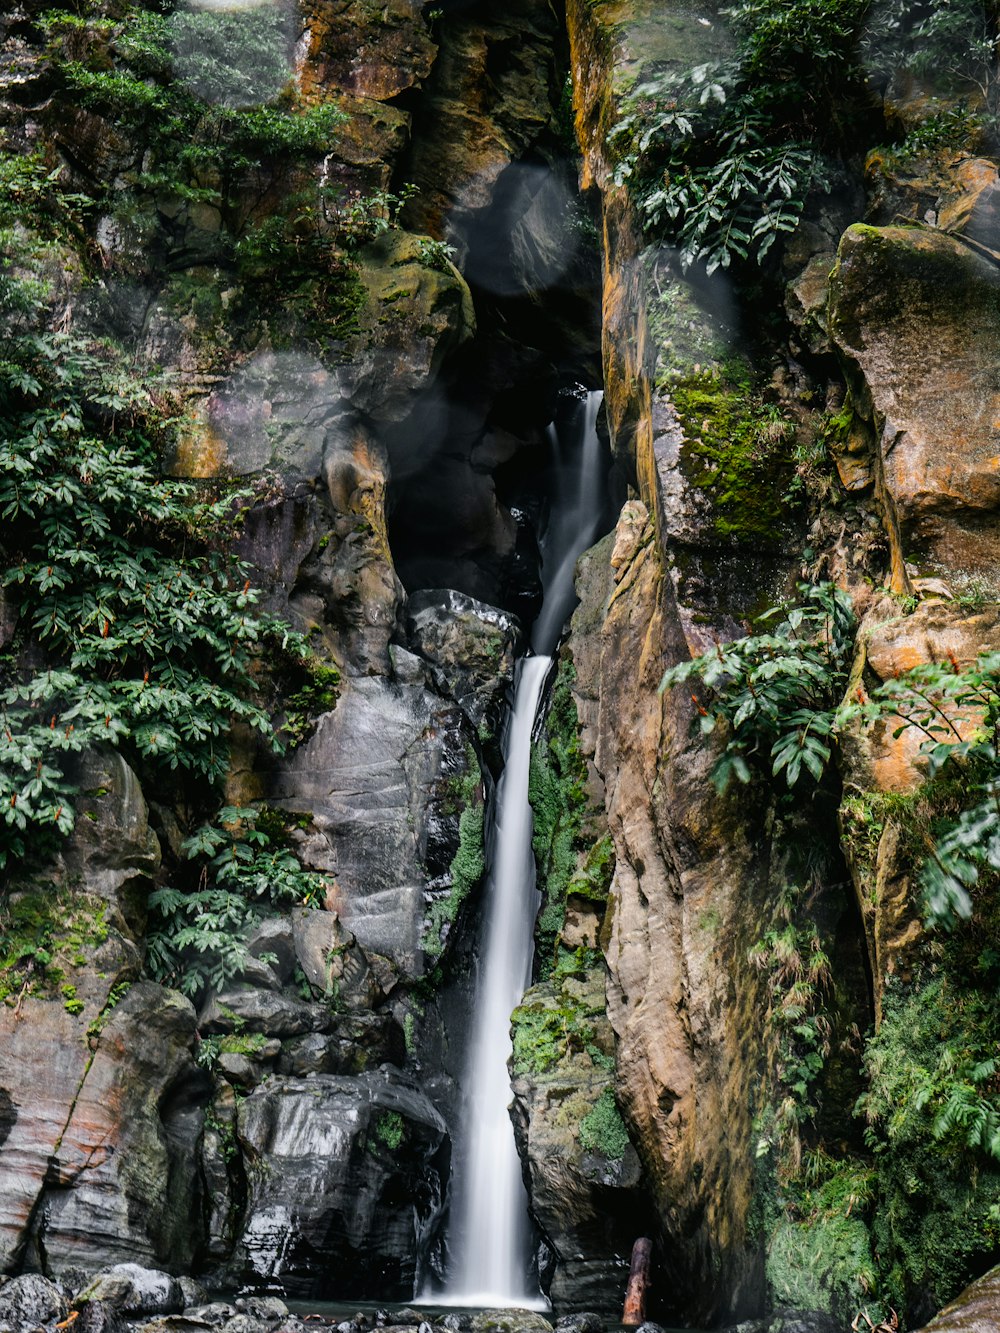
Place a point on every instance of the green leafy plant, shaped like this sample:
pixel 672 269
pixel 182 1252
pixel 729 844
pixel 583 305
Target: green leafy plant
pixel 957 711
pixel 390 1131
pixel 603 1130
pixel 797 971
pixel 774 693
pixel 436 254
pixel 241 872
pixel 930 1114
pixel 722 156
pixel 148 635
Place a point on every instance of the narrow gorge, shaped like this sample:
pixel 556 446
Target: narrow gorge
pixel 500 664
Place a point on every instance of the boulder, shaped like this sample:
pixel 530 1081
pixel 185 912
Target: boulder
pixel 509 1321
pixel 587 1321
pixel 275 1015
pixel 30 1300
pixel 130 1289
pixel 346 1182
pixel 356 1043
pixel 471 644
pixel 122 1181
pixel 377 780
pixel 588 1203
pixel 113 852
pixel 976 1310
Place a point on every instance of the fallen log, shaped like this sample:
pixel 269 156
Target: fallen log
pixel 638 1283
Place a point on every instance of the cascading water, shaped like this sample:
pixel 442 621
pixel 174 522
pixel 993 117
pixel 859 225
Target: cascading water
pixel 490 1234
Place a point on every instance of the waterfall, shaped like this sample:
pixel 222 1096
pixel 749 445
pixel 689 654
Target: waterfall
pixel 490 1233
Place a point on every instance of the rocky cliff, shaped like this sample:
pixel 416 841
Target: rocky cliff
pixel 353 314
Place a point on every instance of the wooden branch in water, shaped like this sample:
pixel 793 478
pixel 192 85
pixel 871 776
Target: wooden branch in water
pixel 638 1283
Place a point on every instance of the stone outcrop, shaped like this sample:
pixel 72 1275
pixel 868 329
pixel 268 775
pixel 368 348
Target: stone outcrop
pixel 976 1310
pixel 346 1182
pixel 102 1157
pixel 367 779
pixel 588 1198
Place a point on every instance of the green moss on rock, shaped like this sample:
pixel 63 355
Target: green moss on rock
pixel 737 450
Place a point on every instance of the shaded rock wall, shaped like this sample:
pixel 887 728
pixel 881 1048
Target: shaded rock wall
pixel 281 1154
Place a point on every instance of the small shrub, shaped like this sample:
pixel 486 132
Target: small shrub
pixel 603 1130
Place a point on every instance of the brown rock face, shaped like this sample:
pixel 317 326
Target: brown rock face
pixel 681 900
pixel 917 314
pixel 487 101
pixel 99 1162
pixel 367 48
pixel 977 1310
pixel 875 762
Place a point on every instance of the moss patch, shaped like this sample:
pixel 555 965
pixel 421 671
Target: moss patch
pixel 568 862
pixel 603 1130
pixel 469 862
pixel 737 450
pixel 42 934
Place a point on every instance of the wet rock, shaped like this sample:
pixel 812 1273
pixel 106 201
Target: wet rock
pixel 102 1151
pixel 238 1069
pixel 267 1308
pixel 915 315
pixel 976 1310
pixel 345 1181
pixel 371 50
pixel 192 1291
pixel 415 316
pixel 261 1011
pixel 333 964
pixel 99 1317
pixel 357 1042
pixel 31 1300
pixel 373 778
pixel 133 1290
pixel 113 851
pixel 487 100
pixel 509 1321
pixel 471 643
pixel 214 1312
pixel 587 1321
pixel 589 1204
pixel 274 936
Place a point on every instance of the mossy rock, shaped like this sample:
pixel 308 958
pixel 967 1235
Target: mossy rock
pixel 736 453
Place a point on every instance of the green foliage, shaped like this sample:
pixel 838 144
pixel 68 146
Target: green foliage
pixel 797 972
pixel 148 635
pixel 545 1035
pixel 949 43
pixel 951 129
pixel 468 865
pixel 720 157
pixel 774 693
pixel 558 796
pixel 819 1255
pixel 956 710
pixel 603 1130
pixel 201 938
pixel 931 1119
pixel 42 935
pixel 318 695
pixel 436 254
pixel 390 1131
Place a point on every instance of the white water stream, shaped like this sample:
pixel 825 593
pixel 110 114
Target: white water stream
pixel 490 1233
